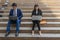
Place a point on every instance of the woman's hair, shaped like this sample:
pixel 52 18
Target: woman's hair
pixel 14 4
pixel 36 5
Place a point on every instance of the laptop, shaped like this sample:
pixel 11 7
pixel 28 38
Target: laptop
pixel 13 17
pixel 37 17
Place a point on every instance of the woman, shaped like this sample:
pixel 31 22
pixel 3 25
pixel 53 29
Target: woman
pixel 36 12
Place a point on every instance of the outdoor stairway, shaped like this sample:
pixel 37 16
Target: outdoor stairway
pixel 50 30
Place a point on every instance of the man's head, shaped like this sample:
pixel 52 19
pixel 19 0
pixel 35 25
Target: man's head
pixel 14 5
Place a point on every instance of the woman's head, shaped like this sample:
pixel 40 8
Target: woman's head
pixel 36 6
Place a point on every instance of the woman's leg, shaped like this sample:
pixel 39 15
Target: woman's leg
pixel 38 24
pixel 33 27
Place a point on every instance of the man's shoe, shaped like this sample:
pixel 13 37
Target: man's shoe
pixel 16 34
pixel 7 34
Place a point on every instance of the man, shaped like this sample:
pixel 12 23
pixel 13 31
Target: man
pixel 14 12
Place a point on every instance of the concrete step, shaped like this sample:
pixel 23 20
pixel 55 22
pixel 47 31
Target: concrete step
pixel 27 24
pixel 29 14
pixel 52 15
pixel 48 35
pixel 6 18
pixel 48 20
pixel 30 28
pixel 31 22
pixel 30 25
pixel 29 11
pixel 30 38
pixel 43 3
pixel 41 6
pixel 29 31
pixel 29 2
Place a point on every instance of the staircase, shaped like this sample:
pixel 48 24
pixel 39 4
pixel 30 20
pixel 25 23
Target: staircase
pixel 50 30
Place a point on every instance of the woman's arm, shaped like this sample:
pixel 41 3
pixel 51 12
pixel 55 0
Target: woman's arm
pixel 40 12
pixel 32 13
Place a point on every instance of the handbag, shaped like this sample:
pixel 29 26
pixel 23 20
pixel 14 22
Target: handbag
pixel 43 21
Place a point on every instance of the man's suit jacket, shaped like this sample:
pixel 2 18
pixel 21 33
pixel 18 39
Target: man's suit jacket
pixel 19 13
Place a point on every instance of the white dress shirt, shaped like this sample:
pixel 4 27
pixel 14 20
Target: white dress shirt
pixel 36 12
pixel 15 12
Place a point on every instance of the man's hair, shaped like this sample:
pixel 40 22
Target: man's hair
pixel 14 4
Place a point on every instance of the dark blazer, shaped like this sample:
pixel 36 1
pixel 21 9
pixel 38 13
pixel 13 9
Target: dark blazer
pixel 34 12
pixel 19 13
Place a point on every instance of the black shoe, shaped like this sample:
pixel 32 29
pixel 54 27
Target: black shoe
pixel 7 34
pixel 16 34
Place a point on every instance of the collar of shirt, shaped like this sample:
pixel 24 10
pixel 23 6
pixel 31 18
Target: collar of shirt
pixel 15 9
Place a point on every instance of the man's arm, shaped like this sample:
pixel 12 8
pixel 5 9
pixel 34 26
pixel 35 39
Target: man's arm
pixel 10 13
pixel 21 15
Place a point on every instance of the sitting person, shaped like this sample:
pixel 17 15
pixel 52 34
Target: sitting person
pixel 37 13
pixel 14 12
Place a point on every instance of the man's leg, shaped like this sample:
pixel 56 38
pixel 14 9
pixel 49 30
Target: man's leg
pixel 8 28
pixel 17 26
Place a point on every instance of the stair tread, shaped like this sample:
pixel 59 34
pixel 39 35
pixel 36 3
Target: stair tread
pixel 31 18
pixel 30 35
pixel 29 28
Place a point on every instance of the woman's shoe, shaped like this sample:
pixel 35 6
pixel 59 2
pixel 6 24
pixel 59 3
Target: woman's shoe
pixel 33 33
pixel 39 32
